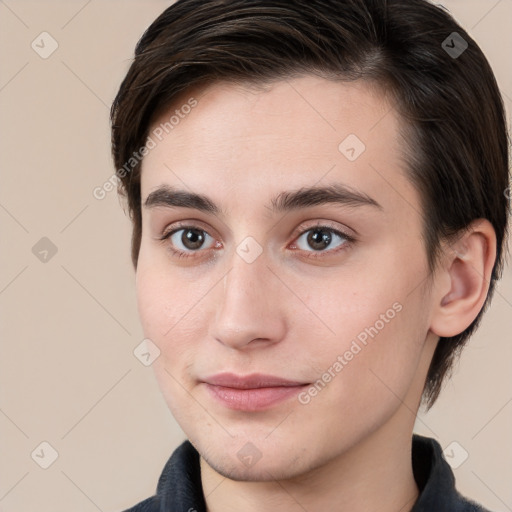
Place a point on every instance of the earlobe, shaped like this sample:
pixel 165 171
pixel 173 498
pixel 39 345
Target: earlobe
pixel 464 279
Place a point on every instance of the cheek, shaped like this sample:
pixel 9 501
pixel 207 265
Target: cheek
pixel 378 321
pixel 165 310
pixel 152 302
pixel 172 310
pixel 164 298
pixel 351 303
pixel 162 305
pixel 365 373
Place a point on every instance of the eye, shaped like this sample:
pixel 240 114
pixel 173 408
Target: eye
pixel 188 240
pixel 322 239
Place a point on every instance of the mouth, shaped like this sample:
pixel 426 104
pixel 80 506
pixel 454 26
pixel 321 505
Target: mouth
pixel 255 392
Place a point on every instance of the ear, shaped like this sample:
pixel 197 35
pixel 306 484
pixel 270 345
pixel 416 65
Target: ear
pixel 462 279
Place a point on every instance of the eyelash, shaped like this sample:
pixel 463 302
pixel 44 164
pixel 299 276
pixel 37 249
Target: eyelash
pixel 348 240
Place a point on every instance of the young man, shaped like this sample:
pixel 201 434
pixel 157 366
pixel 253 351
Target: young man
pixel 317 191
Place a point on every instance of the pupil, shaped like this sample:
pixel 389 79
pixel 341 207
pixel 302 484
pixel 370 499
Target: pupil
pixel 319 239
pixel 192 238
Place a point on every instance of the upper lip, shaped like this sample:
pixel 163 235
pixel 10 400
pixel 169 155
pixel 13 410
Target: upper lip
pixel 252 381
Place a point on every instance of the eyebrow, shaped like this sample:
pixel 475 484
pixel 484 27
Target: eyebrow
pixel 286 201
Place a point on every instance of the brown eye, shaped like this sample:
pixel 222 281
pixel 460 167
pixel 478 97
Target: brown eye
pixel 192 239
pixel 321 238
pixel 189 239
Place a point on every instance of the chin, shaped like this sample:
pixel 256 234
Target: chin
pixel 262 471
pixel 240 459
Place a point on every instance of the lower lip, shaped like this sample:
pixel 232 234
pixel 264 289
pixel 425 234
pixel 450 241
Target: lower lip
pixel 256 399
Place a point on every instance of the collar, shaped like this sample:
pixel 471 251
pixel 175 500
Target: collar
pixel 435 480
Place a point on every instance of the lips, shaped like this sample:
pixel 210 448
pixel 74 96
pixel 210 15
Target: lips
pixel 253 381
pixel 253 392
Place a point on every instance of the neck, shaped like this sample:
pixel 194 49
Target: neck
pixel 375 474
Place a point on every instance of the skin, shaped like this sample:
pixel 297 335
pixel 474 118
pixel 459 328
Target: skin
pixel 291 314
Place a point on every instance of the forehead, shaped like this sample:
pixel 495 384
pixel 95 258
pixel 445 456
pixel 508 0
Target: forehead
pixel 291 133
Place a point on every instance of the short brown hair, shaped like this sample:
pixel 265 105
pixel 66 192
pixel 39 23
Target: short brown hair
pixel 457 137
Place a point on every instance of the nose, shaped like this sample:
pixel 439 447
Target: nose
pixel 249 309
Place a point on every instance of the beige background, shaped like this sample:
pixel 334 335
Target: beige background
pixel 69 325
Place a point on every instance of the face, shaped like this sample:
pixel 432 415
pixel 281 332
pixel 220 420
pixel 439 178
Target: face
pixel 281 274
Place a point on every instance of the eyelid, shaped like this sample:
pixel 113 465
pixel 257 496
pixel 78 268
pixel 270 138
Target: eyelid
pixel 191 224
pixel 348 233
